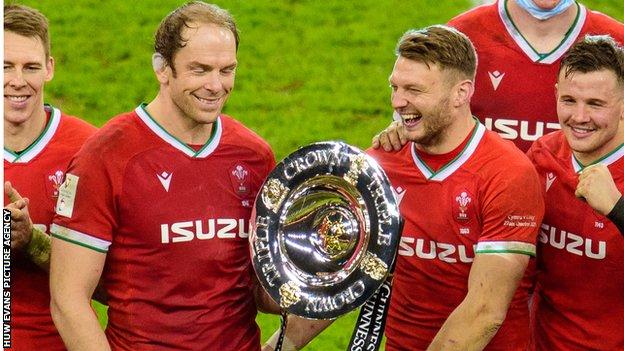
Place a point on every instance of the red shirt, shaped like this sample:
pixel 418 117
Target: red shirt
pixel 174 223
pixel 579 295
pixel 36 173
pixel 515 86
pixel 487 199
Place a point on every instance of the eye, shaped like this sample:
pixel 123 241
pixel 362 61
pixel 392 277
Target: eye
pixel 32 68
pixel 393 87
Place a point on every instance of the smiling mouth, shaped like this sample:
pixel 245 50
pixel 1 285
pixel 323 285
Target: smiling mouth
pixel 578 130
pixel 17 98
pixel 410 120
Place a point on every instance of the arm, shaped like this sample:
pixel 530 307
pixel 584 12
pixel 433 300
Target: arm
pixel 24 235
pixel 74 274
pixel 299 332
pixel 491 285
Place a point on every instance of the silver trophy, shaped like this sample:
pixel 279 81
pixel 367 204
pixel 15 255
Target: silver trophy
pixel 325 230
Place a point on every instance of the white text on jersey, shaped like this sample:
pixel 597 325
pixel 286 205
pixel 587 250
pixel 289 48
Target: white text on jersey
pixel 572 243
pixel 228 228
pixel 449 253
pixel 509 128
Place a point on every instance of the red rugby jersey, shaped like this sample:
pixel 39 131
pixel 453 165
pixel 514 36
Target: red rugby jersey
pixel 487 199
pixel 579 296
pixel 515 85
pixel 174 223
pixel 36 173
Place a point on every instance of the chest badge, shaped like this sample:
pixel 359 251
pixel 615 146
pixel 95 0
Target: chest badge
pixel 462 201
pixel 54 182
pixel 239 176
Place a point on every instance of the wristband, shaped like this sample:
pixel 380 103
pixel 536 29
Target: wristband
pixel 617 214
pixel 38 249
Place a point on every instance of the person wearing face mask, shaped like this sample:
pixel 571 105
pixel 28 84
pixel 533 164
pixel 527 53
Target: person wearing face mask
pixel 519 44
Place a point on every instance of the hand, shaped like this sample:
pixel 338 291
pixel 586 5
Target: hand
pixel 392 138
pixel 597 187
pixel 21 224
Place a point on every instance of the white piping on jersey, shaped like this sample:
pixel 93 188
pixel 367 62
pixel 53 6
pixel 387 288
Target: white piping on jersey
pixel 505 247
pixel 605 160
pixel 206 150
pixel 454 164
pixel 40 143
pixel 78 238
pixel 554 55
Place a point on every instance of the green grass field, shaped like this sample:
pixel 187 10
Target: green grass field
pixel 308 70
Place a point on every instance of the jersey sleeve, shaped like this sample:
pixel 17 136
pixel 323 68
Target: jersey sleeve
pixel 513 209
pixel 85 209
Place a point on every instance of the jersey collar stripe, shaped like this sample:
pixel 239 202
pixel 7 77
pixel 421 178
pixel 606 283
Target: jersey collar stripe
pixel 553 56
pixel 206 150
pixel 457 162
pixel 79 238
pixel 505 247
pixel 42 141
pixel 606 160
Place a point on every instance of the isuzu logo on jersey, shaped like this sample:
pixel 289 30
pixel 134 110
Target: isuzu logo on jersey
pixel 513 129
pixel 204 229
pixel 54 183
pixel 239 175
pixel 572 243
pixel 429 250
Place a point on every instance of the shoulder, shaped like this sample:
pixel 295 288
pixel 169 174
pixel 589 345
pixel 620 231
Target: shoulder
pixel 471 19
pixel 77 126
pixel 499 156
pixel 120 135
pixel 237 134
pixel 599 23
pixel 394 161
pixel 549 148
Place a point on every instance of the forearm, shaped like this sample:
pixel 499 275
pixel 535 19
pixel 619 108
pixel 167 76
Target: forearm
pixel 38 249
pixel 299 332
pixel 78 325
pixel 617 215
pixel 467 328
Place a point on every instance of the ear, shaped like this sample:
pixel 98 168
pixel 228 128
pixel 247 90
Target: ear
pixel 49 69
pixel 556 91
pixel 160 68
pixel 463 92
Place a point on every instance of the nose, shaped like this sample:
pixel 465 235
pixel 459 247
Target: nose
pixel 398 100
pixel 213 81
pixel 15 79
pixel 581 114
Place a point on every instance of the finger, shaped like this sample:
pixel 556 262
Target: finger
pixel 11 192
pixel 385 142
pixel 402 135
pixel 395 140
pixel 375 142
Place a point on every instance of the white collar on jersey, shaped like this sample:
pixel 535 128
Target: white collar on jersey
pixel 40 143
pixel 606 160
pixel 449 168
pixel 206 150
pixel 554 55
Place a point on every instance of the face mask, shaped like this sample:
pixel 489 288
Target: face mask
pixel 541 14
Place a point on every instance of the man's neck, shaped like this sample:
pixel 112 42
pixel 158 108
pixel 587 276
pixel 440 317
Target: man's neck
pixel 17 137
pixel 173 120
pixel 453 136
pixel 543 35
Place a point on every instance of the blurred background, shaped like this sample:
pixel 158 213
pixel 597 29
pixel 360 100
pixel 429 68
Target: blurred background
pixel 308 71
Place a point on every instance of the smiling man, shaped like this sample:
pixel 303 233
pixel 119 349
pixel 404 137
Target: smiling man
pixel 579 301
pixel 163 195
pixel 39 141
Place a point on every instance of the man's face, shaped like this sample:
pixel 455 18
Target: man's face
pixel 590 107
pixel 205 70
pixel 420 95
pixel 26 70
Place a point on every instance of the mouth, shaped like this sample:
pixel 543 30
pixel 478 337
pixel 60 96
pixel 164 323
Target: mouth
pixel 17 101
pixel 208 101
pixel 582 131
pixel 411 120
